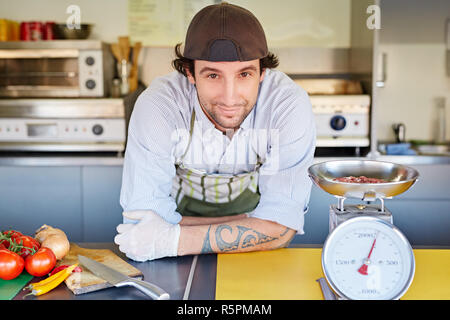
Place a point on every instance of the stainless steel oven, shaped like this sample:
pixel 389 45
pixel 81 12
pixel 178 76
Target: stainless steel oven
pixel 67 125
pixel 342 120
pixel 341 112
pixel 57 68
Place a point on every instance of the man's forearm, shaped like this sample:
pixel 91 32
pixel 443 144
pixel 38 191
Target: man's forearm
pixel 243 235
pixel 195 221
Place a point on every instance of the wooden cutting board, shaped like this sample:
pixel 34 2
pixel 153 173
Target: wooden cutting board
pixel 84 282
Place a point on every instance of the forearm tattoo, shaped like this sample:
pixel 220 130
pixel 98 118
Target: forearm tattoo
pixel 245 238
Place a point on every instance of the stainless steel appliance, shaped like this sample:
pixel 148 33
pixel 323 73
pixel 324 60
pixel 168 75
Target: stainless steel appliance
pixel 62 124
pixel 341 111
pixel 398 179
pixel 57 68
pixel 342 120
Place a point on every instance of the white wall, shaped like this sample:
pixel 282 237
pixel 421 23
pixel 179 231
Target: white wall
pixel 413 37
pixel 321 23
pixel 108 16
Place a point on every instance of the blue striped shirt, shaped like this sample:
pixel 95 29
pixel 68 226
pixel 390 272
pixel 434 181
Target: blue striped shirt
pixel 282 120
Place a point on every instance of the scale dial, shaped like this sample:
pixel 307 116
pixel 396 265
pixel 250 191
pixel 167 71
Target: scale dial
pixel 366 258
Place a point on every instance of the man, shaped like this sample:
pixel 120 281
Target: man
pixel 217 153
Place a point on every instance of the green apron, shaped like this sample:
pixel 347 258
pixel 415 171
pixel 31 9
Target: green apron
pixel 212 195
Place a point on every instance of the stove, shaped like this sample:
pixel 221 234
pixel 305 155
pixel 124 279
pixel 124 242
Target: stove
pixel 341 120
pixel 77 125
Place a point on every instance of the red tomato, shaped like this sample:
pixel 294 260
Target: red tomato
pixel 40 263
pixel 9 234
pixel 29 244
pixel 11 264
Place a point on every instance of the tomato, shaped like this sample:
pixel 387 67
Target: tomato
pixel 40 263
pixel 29 245
pixel 9 234
pixel 11 264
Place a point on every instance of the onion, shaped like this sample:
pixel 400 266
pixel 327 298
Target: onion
pixel 53 238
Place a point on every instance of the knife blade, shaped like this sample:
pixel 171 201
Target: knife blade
pixel 119 279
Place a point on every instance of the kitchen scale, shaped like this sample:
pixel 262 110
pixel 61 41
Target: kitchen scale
pixel 365 257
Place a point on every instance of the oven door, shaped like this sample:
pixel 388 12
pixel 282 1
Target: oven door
pixel 39 73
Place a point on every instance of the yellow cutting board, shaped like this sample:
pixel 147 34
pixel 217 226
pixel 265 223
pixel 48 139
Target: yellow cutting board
pixel 432 276
pixel 290 274
pixel 282 274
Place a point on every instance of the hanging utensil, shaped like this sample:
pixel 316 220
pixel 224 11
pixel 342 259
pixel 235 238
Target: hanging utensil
pixel 134 67
pixel 116 51
pixel 124 44
pixel 123 65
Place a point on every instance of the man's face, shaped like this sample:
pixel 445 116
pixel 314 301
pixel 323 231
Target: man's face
pixel 227 91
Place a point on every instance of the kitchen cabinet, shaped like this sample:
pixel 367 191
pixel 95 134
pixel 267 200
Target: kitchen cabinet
pixel 82 198
pixel 32 196
pixel 100 206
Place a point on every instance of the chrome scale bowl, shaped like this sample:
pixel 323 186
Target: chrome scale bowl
pixel 399 178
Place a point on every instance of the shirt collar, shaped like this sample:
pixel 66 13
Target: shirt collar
pixel 248 121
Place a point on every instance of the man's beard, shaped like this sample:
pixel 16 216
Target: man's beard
pixel 228 122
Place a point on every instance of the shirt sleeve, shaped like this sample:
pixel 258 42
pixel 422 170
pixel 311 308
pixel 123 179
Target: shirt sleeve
pixel 284 184
pixel 149 167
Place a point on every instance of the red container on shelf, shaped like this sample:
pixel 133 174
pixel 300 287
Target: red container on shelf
pixel 36 30
pixel 47 31
pixel 25 31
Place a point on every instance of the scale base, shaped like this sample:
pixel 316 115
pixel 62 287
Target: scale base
pixel 357 210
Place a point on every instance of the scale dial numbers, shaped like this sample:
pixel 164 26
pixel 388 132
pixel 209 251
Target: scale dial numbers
pixel 368 258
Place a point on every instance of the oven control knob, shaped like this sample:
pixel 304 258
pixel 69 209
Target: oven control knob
pixel 338 122
pixel 90 84
pixel 90 61
pixel 97 129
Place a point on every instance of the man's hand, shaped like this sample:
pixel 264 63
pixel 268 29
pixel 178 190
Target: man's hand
pixel 150 238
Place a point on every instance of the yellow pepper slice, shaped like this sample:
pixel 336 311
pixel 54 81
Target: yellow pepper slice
pixel 51 282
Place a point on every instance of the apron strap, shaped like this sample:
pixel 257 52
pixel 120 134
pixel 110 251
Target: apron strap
pixel 191 130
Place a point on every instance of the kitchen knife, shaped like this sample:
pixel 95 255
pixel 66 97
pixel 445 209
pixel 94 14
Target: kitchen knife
pixel 326 291
pixel 118 279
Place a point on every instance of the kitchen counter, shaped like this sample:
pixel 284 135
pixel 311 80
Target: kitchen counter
pixel 171 274
pixel 116 159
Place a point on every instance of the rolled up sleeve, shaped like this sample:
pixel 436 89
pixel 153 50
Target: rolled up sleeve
pixel 284 184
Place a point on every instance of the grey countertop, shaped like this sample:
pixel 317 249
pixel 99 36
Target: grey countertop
pixel 117 159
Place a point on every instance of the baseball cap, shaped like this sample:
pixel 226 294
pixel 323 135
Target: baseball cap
pixel 225 32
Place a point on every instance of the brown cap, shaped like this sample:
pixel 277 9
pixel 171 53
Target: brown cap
pixel 225 32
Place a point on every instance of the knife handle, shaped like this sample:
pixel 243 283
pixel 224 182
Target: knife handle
pixel 326 291
pixel 149 289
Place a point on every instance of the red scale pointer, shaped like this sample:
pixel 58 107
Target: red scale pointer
pixel 363 268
